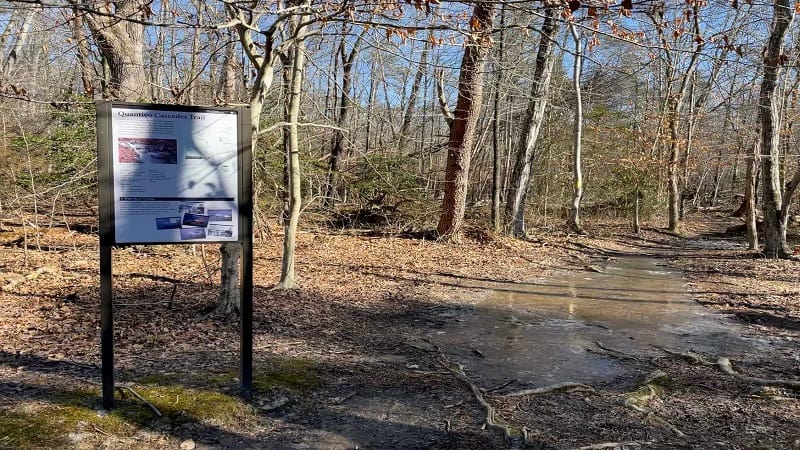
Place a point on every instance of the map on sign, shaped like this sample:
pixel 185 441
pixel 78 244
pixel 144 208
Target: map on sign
pixel 175 175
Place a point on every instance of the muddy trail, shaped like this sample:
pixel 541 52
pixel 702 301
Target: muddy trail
pixel 558 343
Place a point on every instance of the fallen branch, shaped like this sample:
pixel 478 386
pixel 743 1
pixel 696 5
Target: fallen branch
pixel 663 422
pixel 558 387
pixel 136 394
pixel 30 276
pixel 497 388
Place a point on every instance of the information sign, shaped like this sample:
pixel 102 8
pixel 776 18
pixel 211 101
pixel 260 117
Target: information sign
pixel 170 174
pixel 175 175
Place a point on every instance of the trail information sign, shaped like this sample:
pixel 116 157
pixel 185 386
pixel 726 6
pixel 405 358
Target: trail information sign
pixel 170 174
pixel 175 175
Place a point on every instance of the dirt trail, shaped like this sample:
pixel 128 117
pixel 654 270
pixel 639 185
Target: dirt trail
pixel 360 357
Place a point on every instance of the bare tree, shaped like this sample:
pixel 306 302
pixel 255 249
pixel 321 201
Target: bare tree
pixel 297 58
pixel 345 105
pixel 675 100
pixel 775 202
pixel 262 57
pixel 531 125
pixel 577 188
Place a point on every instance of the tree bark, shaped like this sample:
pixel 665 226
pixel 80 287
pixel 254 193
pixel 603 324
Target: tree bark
pixel 228 78
pixel 465 119
pixel 121 43
pixel 82 51
pixel 769 105
pixel 534 117
pixel 229 300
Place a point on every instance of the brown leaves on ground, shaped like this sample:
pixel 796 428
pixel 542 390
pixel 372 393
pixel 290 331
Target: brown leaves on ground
pixel 333 354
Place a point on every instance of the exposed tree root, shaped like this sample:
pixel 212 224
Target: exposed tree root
pixel 692 357
pixel 489 418
pixel 558 387
pixel 724 364
pixel 608 351
pixel 615 445
pixel 639 399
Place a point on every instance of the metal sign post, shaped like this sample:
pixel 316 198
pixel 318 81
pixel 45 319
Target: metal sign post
pixel 170 174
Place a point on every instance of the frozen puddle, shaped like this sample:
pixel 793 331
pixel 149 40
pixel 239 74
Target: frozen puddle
pixel 539 333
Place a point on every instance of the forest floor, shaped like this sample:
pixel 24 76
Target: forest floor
pixel 350 359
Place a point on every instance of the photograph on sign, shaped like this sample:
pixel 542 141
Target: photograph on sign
pixel 175 175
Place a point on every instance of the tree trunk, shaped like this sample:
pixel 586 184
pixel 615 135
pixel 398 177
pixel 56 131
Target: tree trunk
pixel 264 64
pixel 413 95
pixel 228 78
pixel 534 117
pixel 673 105
pixel 465 119
pixel 370 108
pixel 82 51
pixel 637 196
pixel 672 164
pixel 496 159
pixel 11 59
pixel 288 278
pixel 769 104
pixel 577 189
pixel 229 300
pixel 122 46
pixel 345 105
pixel 750 199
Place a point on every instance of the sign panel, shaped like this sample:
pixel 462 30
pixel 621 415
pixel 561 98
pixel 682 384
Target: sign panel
pixel 175 174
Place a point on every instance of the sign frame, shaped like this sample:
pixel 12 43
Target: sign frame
pixel 107 227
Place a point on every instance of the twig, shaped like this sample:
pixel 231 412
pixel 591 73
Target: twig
pixel 136 394
pixel 497 388
pixel 558 387
pixel 427 350
pixel 435 347
pixel 99 430
pixel 458 403
pixel 120 388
